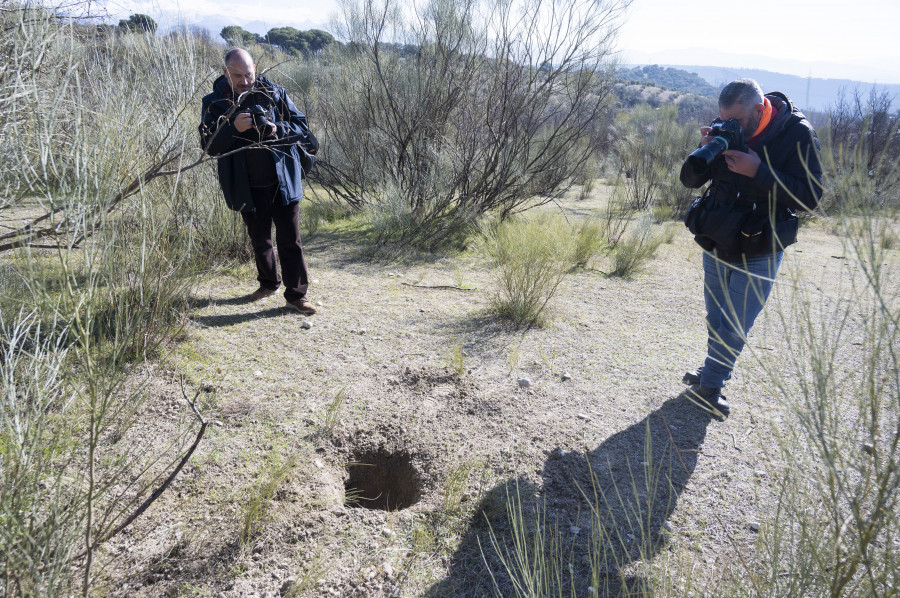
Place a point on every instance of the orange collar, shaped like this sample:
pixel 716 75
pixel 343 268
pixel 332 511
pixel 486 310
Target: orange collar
pixel 765 120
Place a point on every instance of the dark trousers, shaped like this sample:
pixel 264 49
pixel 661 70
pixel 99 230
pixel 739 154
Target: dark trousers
pixel 287 238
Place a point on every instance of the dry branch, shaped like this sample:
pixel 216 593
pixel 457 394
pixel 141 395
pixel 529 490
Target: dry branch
pixel 158 492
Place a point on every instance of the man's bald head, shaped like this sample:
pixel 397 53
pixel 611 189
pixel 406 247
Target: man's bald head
pixel 238 54
pixel 239 70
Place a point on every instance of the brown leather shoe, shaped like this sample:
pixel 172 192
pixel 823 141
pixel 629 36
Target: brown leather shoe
pixel 261 293
pixel 301 306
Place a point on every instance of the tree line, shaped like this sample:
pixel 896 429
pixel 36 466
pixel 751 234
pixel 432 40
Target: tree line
pixel 288 39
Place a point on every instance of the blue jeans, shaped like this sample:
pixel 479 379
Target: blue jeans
pixel 735 295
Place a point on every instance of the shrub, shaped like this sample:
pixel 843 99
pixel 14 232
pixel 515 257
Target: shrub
pixel 651 150
pixel 443 114
pixel 105 269
pixel 637 248
pixel 533 256
pixel 588 240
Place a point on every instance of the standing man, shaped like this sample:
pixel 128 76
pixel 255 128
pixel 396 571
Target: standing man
pixel 746 217
pixel 255 129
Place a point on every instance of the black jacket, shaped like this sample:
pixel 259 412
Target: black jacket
pixel 789 179
pixel 219 137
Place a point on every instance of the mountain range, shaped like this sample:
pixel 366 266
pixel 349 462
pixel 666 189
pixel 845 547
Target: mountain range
pixel 809 93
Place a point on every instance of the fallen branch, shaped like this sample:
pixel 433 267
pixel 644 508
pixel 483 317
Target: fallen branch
pixel 437 286
pixel 158 492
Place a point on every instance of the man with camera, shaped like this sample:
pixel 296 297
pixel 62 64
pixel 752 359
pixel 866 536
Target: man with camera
pixel 761 158
pixel 264 147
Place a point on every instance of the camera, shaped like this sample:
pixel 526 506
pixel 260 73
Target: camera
pixel 260 120
pixel 727 135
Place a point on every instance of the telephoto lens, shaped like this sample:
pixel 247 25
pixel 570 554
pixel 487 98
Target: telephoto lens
pixel 726 135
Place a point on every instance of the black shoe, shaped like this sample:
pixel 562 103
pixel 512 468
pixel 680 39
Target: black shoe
pixel 710 399
pixel 692 377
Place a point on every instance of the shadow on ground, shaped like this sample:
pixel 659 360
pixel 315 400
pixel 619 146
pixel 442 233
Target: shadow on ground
pixel 632 480
pixel 232 319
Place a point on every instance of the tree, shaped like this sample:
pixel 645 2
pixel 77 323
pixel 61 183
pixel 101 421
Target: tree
pixel 237 36
pixel 302 42
pixel 317 40
pixel 287 38
pixel 137 23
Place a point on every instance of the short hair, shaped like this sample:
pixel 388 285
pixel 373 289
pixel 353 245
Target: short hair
pixel 235 52
pixel 745 92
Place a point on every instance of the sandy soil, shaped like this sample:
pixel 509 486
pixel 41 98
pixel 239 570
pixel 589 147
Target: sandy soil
pixel 421 387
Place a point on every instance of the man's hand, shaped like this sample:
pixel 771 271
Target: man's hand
pixel 741 163
pixel 705 136
pixel 243 121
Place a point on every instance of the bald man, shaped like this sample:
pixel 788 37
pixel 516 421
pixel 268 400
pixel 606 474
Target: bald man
pixel 263 144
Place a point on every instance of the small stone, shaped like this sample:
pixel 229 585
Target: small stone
pixel 257 373
pixel 391 274
pixel 669 527
pixel 319 303
pixel 318 463
pixel 524 382
pixel 759 473
pixel 388 570
pixel 754 525
pixel 315 281
pixel 566 376
pixel 287 586
pixel 305 325
pixel 869 448
pixel 388 533
pixel 362 331
pixel 583 416
pixel 575 530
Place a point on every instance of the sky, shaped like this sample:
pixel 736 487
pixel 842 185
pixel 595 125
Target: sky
pixel 856 40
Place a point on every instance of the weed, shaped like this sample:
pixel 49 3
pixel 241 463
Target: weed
pixel 314 571
pixel 457 358
pixel 532 256
pixel 515 354
pixel 258 504
pixel 333 412
pixel 588 240
pixel 636 249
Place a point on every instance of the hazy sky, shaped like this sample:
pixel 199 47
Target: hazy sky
pixel 826 38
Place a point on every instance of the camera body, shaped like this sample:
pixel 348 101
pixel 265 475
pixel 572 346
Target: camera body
pixel 726 135
pixel 260 118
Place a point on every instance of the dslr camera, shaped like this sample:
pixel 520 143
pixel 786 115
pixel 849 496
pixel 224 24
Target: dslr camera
pixel 726 135
pixel 261 121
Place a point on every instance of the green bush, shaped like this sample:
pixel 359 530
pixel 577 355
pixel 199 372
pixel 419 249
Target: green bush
pixel 532 258
pixel 636 248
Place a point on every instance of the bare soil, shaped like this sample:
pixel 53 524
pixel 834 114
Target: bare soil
pixel 421 386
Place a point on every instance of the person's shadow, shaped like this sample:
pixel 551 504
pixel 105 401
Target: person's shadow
pixel 592 518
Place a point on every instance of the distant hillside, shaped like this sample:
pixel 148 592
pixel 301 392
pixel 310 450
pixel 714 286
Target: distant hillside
pixel 808 93
pixel 674 78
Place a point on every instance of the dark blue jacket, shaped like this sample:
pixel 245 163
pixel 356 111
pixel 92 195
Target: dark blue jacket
pixel 219 137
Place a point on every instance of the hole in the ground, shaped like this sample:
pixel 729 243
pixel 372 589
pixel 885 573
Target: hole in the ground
pixel 382 480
